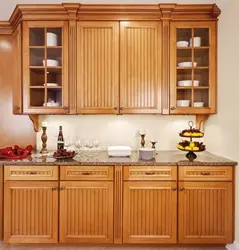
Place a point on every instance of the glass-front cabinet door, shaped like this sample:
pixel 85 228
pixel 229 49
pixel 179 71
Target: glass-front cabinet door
pixel 193 68
pixel 45 67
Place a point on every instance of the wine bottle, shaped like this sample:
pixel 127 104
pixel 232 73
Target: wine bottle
pixel 60 140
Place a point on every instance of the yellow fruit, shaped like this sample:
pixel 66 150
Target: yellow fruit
pixel 196 134
pixel 187 134
pixel 180 147
pixel 196 148
pixel 200 134
pixel 192 144
pixel 188 148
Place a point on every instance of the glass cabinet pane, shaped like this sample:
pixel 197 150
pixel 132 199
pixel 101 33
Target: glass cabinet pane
pixel 54 58
pixel 36 57
pixel 183 36
pixel 54 97
pixel 201 37
pixel 184 97
pixel 202 76
pixel 184 58
pixel 37 97
pixel 37 77
pixel 37 36
pixel 201 57
pixel 54 77
pixel 201 98
pixel 54 37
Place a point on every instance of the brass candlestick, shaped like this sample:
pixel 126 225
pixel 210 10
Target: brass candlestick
pixel 142 140
pixel 153 144
pixel 44 140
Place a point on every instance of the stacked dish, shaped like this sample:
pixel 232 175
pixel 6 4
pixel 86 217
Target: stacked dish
pixel 187 64
pixel 188 83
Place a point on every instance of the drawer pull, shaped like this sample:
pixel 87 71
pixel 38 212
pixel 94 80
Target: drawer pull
pixel 33 172
pixel 181 188
pixel 205 173
pixel 149 173
pixel 86 173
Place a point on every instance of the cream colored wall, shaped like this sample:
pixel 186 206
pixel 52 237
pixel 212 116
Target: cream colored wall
pixel 117 130
pixel 222 130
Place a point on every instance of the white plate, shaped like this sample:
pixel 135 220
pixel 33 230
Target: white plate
pixel 187 64
pixel 188 83
pixel 51 84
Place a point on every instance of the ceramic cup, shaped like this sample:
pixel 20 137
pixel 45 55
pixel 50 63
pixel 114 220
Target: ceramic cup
pixel 196 42
pixel 51 39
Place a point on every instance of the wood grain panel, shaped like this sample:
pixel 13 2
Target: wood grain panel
pixel 30 212
pixel 150 173
pixel 17 83
pixel 150 212
pixel 140 67
pixel 87 173
pixel 86 212
pixel 205 212
pixel 13 129
pixel 98 67
pixel 206 173
pixel 1 203
pixel 31 172
pixel 118 205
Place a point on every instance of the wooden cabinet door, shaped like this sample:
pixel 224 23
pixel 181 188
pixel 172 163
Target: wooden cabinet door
pixel 30 212
pixel 86 212
pixel 150 212
pixel 193 68
pixel 45 67
pixel 1 203
pixel 205 212
pixel 17 82
pixel 140 67
pixel 98 67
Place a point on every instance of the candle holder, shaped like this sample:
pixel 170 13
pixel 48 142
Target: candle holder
pixel 153 143
pixel 44 140
pixel 142 140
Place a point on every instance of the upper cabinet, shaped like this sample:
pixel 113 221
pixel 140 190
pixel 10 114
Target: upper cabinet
pixel 140 67
pixel 193 68
pixel 109 59
pixel 98 67
pixel 45 67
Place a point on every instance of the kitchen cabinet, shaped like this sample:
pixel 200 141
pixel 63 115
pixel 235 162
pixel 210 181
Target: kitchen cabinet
pixel 205 212
pixel 193 68
pixel 45 67
pixel 150 212
pixel 140 67
pixel 86 212
pixel 30 212
pixel 1 203
pixel 98 67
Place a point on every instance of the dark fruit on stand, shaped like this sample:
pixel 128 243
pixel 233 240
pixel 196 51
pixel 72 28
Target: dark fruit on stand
pixel 192 132
pixel 63 153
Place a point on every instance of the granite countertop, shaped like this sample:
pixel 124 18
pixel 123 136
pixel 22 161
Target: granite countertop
pixel 101 158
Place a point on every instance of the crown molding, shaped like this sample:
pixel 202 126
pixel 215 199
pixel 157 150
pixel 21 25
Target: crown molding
pixel 77 11
pixel 5 28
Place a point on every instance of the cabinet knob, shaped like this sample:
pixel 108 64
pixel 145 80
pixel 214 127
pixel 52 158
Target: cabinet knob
pixel 181 188
pixel 54 188
pixel 173 108
pixel 62 188
pixel 17 108
pixel 121 108
pixel 115 108
pixel 174 188
pixel 65 108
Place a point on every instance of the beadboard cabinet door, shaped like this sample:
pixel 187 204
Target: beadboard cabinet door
pixel 86 212
pixel 98 67
pixel 31 212
pixel 150 212
pixel 205 212
pixel 140 67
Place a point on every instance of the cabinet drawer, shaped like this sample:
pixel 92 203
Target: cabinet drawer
pixel 150 173
pixel 210 173
pixel 87 172
pixel 30 173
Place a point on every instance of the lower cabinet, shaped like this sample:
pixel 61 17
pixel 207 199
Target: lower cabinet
pixel 150 212
pixel 205 212
pixel 86 212
pixel 31 212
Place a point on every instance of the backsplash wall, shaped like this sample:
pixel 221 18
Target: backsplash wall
pixel 116 130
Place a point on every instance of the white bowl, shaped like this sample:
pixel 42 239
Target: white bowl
pixel 183 103
pixel 188 83
pixel 50 62
pixel 51 104
pixel 182 44
pixel 198 104
pixel 51 84
pixel 187 64
pixel 146 153
pixel 51 39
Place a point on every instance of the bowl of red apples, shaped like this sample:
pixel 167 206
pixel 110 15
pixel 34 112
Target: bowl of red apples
pixel 63 154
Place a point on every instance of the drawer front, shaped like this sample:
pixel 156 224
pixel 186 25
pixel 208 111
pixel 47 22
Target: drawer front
pixel 204 173
pixel 87 173
pixel 150 173
pixel 30 173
